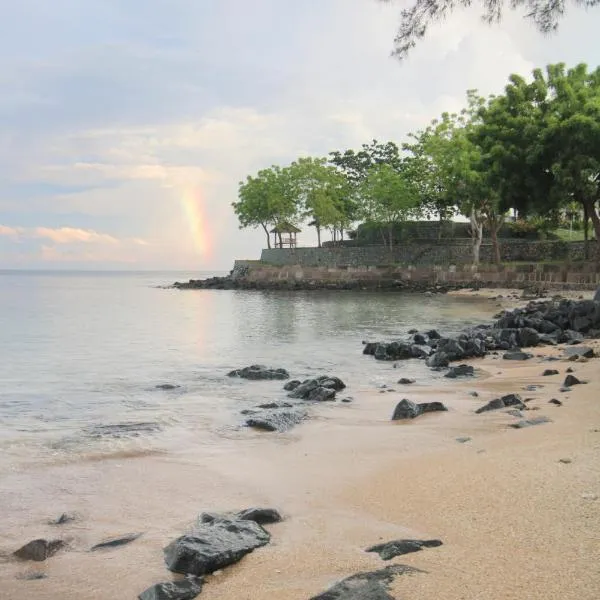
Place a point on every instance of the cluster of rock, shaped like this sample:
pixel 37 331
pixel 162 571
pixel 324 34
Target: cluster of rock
pixel 282 416
pixel 540 322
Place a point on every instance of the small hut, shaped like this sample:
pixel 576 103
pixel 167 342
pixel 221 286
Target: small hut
pixel 287 229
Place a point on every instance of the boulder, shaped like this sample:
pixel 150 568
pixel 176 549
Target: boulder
pixel 420 339
pixel 290 386
pixel 259 372
pixel 432 334
pixel 39 550
pixel 214 545
pixel 366 586
pixel 406 409
pixel 571 380
pixel 527 336
pixel 406 381
pixel 438 360
pixel 276 419
pixel 319 389
pixel 460 371
pixel 390 550
pixel 116 542
pixel 186 589
pixel 549 372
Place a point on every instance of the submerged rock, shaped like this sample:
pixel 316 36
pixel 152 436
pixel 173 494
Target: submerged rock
pixel 39 550
pixel 406 409
pixel 167 386
pixel 214 545
pixel 118 541
pixel 123 430
pixel 186 589
pixel 259 372
pixel 366 586
pixel 390 550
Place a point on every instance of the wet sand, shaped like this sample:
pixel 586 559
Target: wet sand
pixel 515 521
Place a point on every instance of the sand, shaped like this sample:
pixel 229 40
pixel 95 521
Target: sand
pixel 516 522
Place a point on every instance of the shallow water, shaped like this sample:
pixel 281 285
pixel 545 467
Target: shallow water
pixel 84 352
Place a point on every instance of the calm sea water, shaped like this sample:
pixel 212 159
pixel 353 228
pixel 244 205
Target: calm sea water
pixel 85 351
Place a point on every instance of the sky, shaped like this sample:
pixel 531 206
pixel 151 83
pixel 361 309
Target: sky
pixel 126 125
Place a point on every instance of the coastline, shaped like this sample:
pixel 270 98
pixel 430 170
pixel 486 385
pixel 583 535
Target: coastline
pixel 513 519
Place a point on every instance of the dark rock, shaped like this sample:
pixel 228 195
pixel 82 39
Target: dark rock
pixel 463 440
pixel 167 386
pixel 549 372
pixel 517 355
pixel 460 371
pixel 333 383
pixel 262 516
pixel 347 400
pixel 474 394
pixel 584 351
pixel 405 409
pixel 555 401
pixel 390 550
pixel 35 576
pixel 277 419
pixel 571 380
pixel 214 545
pixel 186 589
pixel 366 586
pixel 491 405
pixel 321 394
pixel 505 401
pixel 320 389
pixel 597 295
pixel 432 334
pixel 118 541
pixel 291 385
pixel 39 550
pixel 438 359
pixel 570 370
pixel 63 519
pixel 564 389
pixel 259 372
pixel 530 422
pixel 268 405
pixel 527 336
pixel 420 339
pixel 370 348
pixel 406 381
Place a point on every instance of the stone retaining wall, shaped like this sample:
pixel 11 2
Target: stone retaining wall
pixel 443 252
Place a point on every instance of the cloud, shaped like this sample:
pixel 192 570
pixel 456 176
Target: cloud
pixel 70 235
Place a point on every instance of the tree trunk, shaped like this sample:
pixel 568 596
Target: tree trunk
pixel 268 235
pixel 318 236
pixel 495 244
pixel 391 234
pixel 586 232
pixel 280 239
pixel 590 205
pixel 476 235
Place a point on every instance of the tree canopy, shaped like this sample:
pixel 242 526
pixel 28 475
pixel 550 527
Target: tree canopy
pixel 416 20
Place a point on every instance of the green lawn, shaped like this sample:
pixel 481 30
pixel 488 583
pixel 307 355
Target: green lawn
pixel 571 236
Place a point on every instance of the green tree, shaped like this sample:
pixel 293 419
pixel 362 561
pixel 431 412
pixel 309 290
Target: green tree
pixel 387 197
pixel 416 20
pixel 355 165
pixel 265 200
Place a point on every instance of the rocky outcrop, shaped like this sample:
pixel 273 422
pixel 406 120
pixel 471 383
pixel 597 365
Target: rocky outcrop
pixel 366 586
pixel 259 372
pixel 406 409
pixel 390 550
pixel 214 545
pixel 39 550
pixel 186 589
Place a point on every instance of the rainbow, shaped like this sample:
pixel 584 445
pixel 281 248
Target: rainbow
pixel 192 207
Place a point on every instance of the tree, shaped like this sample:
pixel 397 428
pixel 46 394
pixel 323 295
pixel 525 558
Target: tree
pixel 387 197
pixel 265 200
pixel 416 20
pixel 356 165
pixel 320 191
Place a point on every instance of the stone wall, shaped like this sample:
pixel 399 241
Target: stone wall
pixel 443 252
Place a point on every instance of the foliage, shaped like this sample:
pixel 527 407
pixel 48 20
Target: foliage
pixel 415 21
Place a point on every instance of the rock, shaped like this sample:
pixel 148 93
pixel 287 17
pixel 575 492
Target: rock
pixel 390 550
pixel 186 589
pixel 406 381
pixel 116 542
pixel 412 331
pixel 420 339
pixel 347 400
pixel 63 519
pixel 463 440
pixel 584 351
pixel 123 430
pixel 167 386
pixel 262 516
pixel 508 400
pixel 530 422
pixel 597 295
pixel 474 394
pixel 405 409
pixel 437 359
pixel 291 385
pixel 39 550
pixel 570 370
pixel 333 383
pixel 564 389
pixel 532 387
pixel 460 371
pixel 34 576
pixel 276 420
pixel 565 461
pixel 514 412
pixel 432 334
pixel 269 405
pixel 366 586
pixel 517 355
pixel 555 402
pixel 549 372
pixel 319 389
pixel 571 380
pixel 321 394
pixel 214 545
pixel 259 372
pixel 527 336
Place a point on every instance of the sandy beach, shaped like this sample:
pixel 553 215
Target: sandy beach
pixel 518 511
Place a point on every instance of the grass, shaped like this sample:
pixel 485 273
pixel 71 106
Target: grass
pixel 571 236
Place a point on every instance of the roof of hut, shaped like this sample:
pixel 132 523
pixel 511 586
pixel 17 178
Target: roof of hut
pixel 285 227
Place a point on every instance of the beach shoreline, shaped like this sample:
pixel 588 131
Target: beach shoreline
pixel 516 522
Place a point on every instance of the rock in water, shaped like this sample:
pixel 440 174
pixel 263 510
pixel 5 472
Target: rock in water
pixel 174 590
pixel 118 541
pixel 39 550
pixel 291 385
pixel 366 586
pixel 214 545
pixel 167 386
pixel 390 550
pixel 258 372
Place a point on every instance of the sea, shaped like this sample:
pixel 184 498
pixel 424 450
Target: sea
pixel 85 427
